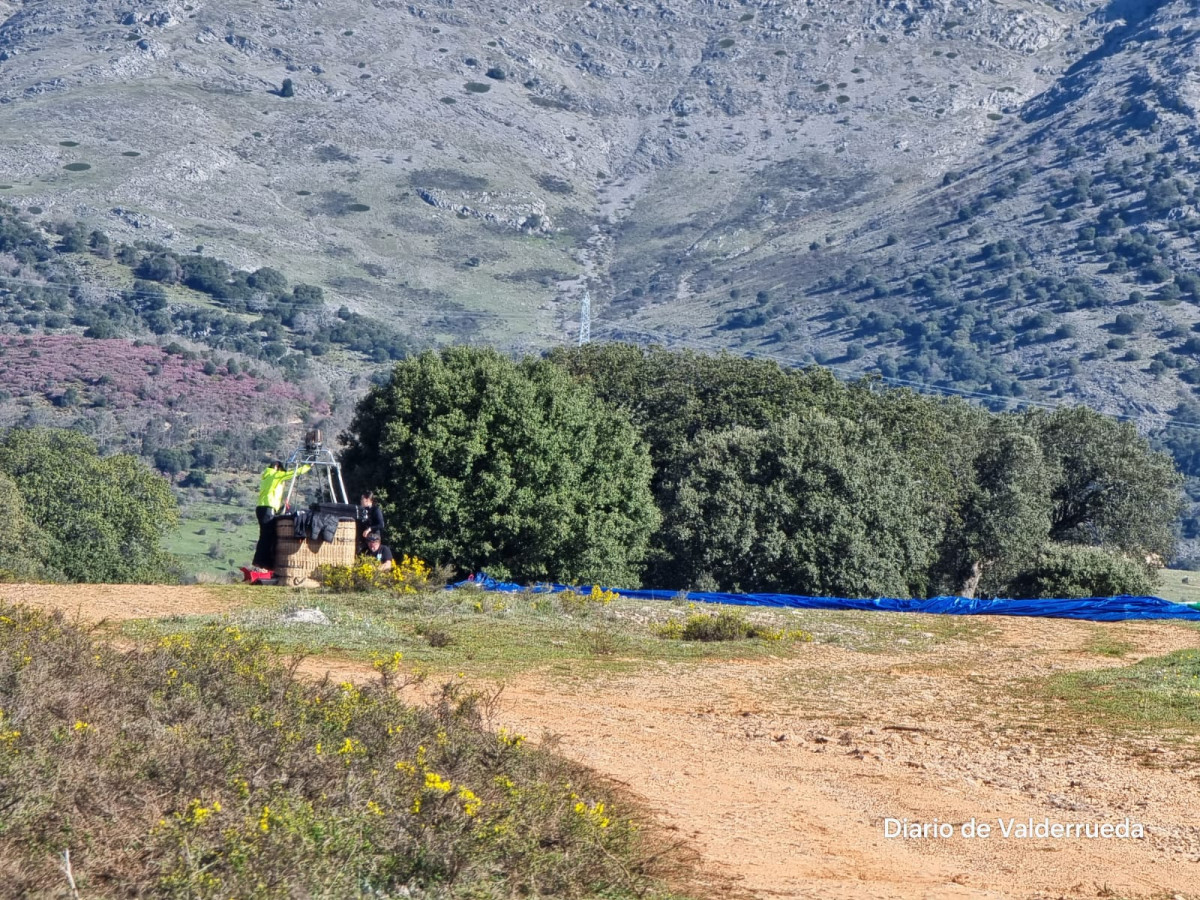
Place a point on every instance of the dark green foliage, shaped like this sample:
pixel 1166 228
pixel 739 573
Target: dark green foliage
pixel 673 396
pixel 24 550
pixel 104 518
pixel 1065 570
pixel 164 267
pixel 962 499
pixel 268 280
pixel 308 295
pixel 511 468
pixel 1004 518
pixel 26 244
pixel 1125 323
pixel 1108 486
pixel 809 505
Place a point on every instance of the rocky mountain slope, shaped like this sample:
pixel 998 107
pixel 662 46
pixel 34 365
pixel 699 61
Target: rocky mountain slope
pixel 993 196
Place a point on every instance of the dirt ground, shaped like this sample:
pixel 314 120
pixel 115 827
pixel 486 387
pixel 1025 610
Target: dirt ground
pixel 782 772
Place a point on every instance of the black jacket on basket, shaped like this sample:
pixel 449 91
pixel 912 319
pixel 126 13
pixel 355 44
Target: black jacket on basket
pixel 318 526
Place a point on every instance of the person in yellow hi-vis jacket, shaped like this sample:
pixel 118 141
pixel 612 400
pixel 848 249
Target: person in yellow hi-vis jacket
pixel 270 503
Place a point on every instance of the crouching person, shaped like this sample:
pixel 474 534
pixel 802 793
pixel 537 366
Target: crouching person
pixel 377 550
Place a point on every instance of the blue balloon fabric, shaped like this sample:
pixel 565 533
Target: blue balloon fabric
pixel 1096 609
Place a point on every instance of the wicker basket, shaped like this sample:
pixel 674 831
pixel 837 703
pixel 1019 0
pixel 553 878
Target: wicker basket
pixel 296 559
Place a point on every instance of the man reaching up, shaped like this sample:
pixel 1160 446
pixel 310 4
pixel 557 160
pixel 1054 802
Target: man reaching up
pixel 270 504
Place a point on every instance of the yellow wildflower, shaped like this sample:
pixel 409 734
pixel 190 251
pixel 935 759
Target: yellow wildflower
pixel 593 814
pixel 509 739
pixel 471 803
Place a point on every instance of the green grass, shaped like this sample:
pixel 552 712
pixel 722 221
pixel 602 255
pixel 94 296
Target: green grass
pixel 217 521
pixel 1102 643
pixel 500 635
pixel 1174 588
pixel 1155 695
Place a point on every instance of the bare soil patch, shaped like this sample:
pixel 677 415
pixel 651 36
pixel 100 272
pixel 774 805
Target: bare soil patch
pixel 782 771
pixel 117 602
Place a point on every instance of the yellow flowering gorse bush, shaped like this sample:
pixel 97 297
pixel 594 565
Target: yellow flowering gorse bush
pixel 260 777
pixel 407 575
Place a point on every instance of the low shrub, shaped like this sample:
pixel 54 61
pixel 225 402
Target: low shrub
pixel 199 766
pixel 408 575
pixel 1069 570
pixel 575 602
pixel 726 625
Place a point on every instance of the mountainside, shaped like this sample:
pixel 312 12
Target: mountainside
pixel 997 197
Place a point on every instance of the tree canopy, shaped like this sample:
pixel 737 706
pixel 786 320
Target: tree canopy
pixel 810 505
pixel 511 468
pixel 24 549
pixel 103 517
pixel 757 492
pixel 1108 487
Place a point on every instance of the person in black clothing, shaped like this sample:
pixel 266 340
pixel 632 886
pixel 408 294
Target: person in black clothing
pixel 370 518
pixel 377 549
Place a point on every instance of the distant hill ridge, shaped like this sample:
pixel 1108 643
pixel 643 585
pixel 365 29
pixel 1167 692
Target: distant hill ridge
pixel 998 197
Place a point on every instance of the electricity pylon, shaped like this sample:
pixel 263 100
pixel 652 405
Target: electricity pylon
pixel 585 319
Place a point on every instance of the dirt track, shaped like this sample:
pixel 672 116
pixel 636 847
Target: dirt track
pixel 781 772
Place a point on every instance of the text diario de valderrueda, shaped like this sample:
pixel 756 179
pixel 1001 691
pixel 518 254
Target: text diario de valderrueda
pixel 1011 828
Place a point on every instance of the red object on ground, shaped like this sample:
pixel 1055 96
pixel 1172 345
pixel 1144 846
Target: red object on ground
pixel 253 577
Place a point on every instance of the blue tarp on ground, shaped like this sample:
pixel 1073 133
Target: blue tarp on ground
pixel 1099 609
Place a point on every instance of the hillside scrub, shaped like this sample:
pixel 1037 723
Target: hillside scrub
pixel 103 518
pixel 198 766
